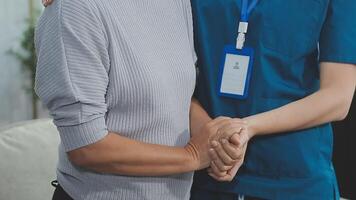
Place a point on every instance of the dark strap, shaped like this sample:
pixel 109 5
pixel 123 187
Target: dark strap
pixel 54 183
pixel 59 193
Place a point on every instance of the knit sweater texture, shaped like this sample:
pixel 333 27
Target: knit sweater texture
pixel 124 66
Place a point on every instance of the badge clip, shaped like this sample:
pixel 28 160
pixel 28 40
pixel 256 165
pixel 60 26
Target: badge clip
pixel 240 41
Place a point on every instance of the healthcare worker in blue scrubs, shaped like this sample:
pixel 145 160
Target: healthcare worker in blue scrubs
pixel 287 68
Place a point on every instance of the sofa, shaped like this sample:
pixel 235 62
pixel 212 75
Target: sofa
pixel 28 153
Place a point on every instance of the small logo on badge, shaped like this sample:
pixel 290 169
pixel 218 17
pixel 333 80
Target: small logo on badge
pixel 236 66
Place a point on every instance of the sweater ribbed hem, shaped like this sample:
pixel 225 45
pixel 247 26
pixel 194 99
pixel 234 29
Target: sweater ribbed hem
pixel 74 137
pixel 128 188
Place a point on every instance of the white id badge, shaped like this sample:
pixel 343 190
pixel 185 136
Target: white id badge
pixel 235 72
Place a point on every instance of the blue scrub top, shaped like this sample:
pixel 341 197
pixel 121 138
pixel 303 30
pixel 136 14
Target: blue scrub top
pixel 290 38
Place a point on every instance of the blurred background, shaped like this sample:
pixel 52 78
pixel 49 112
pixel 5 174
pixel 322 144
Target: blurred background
pixel 17 100
pixel 19 103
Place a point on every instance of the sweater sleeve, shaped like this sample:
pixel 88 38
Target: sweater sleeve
pixel 72 71
pixel 189 20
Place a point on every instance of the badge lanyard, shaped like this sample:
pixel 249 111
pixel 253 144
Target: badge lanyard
pixel 246 10
pixel 236 67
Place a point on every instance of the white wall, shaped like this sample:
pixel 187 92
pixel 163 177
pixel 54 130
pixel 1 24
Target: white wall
pixel 15 104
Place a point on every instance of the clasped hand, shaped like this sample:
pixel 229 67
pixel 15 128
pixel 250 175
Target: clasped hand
pixel 228 147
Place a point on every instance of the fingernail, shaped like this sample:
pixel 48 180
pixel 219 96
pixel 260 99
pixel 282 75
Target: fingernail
pixel 224 141
pixel 214 143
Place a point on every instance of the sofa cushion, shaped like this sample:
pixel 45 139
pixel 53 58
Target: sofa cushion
pixel 28 152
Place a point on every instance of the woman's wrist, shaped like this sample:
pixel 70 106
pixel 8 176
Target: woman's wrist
pixel 192 155
pixel 252 126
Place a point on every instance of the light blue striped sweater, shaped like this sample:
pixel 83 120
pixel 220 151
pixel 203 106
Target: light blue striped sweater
pixel 125 66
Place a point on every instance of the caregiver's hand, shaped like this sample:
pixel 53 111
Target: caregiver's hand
pixel 227 175
pixel 47 2
pixel 199 144
pixel 228 149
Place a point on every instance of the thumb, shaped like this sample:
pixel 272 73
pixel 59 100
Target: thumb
pixel 240 139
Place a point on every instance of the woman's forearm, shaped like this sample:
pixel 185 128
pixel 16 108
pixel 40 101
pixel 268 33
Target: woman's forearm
pixel 116 154
pixel 330 103
pixel 308 112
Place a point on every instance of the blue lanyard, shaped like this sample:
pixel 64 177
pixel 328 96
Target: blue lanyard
pixel 247 9
pixel 243 24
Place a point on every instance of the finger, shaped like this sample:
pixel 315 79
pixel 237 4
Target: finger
pixel 215 128
pixel 236 140
pixel 228 129
pixel 232 172
pixel 226 159
pixel 213 155
pixel 232 150
pixel 245 136
pixel 221 179
pixel 240 139
pixel 216 170
pixel 244 149
pixel 220 165
pixel 228 132
pixel 224 125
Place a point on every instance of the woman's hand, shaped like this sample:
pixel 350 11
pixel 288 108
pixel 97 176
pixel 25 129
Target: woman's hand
pixel 47 2
pixel 199 144
pixel 228 149
pixel 227 175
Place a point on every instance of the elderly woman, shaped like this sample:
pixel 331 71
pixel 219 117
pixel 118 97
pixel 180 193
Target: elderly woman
pixel 118 78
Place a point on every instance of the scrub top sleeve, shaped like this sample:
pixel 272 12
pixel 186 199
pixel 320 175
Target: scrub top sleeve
pixel 338 35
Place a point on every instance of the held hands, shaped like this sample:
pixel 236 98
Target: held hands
pixel 227 149
pixel 220 144
pixel 199 144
